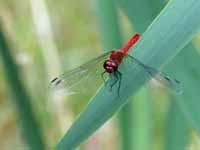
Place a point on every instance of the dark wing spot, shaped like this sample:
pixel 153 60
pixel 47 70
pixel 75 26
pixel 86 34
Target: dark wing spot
pixel 54 79
pixel 167 78
pixel 177 81
pixel 58 82
pixel 55 82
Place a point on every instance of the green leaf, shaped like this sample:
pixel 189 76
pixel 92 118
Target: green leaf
pixel 132 122
pixel 189 75
pixel 142 121
pixel 135 116
pixel 176 137
pixel 110 35
pixel 176 129
pixel 163 39
pixel 141 12
pixel 30 128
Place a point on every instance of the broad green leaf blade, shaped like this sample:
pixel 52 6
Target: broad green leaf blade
pixel 176 129
pixel 156 49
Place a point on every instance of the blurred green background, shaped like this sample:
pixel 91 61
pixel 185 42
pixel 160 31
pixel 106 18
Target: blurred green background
pixel 41 39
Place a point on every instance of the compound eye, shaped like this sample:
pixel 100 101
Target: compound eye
pixel 109 69
pixel 114 66
pixel 106 63
pixel 110 66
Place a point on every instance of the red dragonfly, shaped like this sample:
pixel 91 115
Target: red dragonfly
pixel 109 63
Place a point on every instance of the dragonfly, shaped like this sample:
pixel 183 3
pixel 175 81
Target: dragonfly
pixel 108 64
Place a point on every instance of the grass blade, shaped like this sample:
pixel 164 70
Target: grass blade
pixel 172 142
pixel 156 48
pixel 141 18
pixel 177 129
pixel 142 121
pixel 111 38
pixel 110 35
pixel 189 75
pixel 135 120
pixel 30 128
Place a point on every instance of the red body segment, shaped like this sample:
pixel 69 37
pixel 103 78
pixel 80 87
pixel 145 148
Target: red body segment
pixel 132 41
pixel 117 56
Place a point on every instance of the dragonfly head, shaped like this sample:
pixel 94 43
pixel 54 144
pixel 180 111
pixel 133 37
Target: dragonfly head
pixel 110 66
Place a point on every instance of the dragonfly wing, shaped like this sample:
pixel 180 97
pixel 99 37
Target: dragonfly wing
pixel 82 78
pixel 173 84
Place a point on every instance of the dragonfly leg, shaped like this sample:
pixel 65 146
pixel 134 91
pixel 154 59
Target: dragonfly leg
pixel 102 76
pixel 116 78
pixel 120 78
pixel 104 80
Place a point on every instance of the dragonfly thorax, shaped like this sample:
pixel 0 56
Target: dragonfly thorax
pixel 117 55
pixel 110 66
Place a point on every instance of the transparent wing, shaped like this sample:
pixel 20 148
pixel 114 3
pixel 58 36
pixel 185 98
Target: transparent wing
pixel 173 84
pixel 82 79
